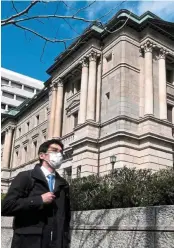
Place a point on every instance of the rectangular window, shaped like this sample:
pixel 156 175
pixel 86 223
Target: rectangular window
pixel 35 148
pixel 2 140
pixel 28 126
pixel 25 154
pixel 16 85
pixel 19 131
pixel 169 76
pixel 2 106
pixel 79 171
pixel 78 85
pixel 75 119
pixel 37 120
pixel 68 173
pixel 7 94
pixel 29 89
pixel 4 81
pixel 169 113
pixel 20 98
pixel 16 158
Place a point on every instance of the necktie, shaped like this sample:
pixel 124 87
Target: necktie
pixel 51 182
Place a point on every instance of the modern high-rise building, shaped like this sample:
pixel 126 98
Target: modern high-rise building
pixel 16 88
pixel 110 99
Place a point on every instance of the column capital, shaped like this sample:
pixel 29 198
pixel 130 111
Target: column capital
pixel 162 53
pixel 10 128
pixel 148 46
pixel 57 82
pixel 85 62
pixel 93 56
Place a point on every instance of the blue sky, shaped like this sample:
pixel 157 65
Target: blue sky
pixel 23 52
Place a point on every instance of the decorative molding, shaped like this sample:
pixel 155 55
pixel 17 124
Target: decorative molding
pixel 84 62
pixel 73 107
pixel 162 53
pixel 148 46
pixel 44 131
pixel 92 56
pixel 10 128
pixel 34 137
pixel 16 148
pixel 25 142
pixel 150 43
pixel 70 66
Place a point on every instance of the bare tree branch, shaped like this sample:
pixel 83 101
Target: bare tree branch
pixel 14 6
pixel 71 26
pixel 46 17
pixel 43 50
pixel 20 13
pixel 83 8
pixel 45 38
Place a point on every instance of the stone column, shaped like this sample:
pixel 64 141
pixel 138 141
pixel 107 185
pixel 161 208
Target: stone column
pixel 58 111
pixel 7 147
pixel 148 79
pixel 84 92
pixel 141 83
pixel 92 86
pixel 52 110
pixel 99 79
pixel 162 85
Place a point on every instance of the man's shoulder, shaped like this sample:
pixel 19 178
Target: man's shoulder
pixel 24 174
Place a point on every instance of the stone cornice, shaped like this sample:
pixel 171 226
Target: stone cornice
pixel 136 121
pixel 127 38
pixel 87 123
pixel 148 135
pixel 77 61
pixel 119 66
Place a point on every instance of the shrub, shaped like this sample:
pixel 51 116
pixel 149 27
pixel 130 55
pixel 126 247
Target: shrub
pixel 123 188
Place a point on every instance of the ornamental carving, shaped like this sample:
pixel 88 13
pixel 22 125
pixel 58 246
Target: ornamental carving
pixel 162 53
pixel 84 62
pixel 57 82
pixel 148 46
pixel 10 128
pixel 93 56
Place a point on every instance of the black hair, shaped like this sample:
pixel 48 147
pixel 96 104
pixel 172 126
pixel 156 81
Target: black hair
pixel 44 146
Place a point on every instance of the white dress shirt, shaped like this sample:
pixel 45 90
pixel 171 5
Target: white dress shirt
pixel 46 172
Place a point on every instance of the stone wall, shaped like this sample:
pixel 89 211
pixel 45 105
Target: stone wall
pixel 150 227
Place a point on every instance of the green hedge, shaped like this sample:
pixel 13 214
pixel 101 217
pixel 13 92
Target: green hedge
pixel 123 188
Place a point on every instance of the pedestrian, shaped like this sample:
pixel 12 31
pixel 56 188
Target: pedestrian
pixel 39 201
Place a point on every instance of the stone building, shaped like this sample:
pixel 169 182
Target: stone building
pixel 16 88
pixel 110 93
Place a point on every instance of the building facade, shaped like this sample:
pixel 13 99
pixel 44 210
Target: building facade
pixel 16 88
pixel 112 94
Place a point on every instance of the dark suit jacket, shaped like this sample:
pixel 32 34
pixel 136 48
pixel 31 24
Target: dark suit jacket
pixel 31 216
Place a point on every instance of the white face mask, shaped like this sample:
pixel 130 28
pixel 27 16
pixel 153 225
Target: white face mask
pixel 55 160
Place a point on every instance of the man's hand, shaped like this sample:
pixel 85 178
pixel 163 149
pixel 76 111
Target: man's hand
pixel 48 197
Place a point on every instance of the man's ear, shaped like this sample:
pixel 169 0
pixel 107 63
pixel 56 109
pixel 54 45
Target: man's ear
pixel 41 155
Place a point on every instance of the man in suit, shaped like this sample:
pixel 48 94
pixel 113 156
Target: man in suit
pixel 39 201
